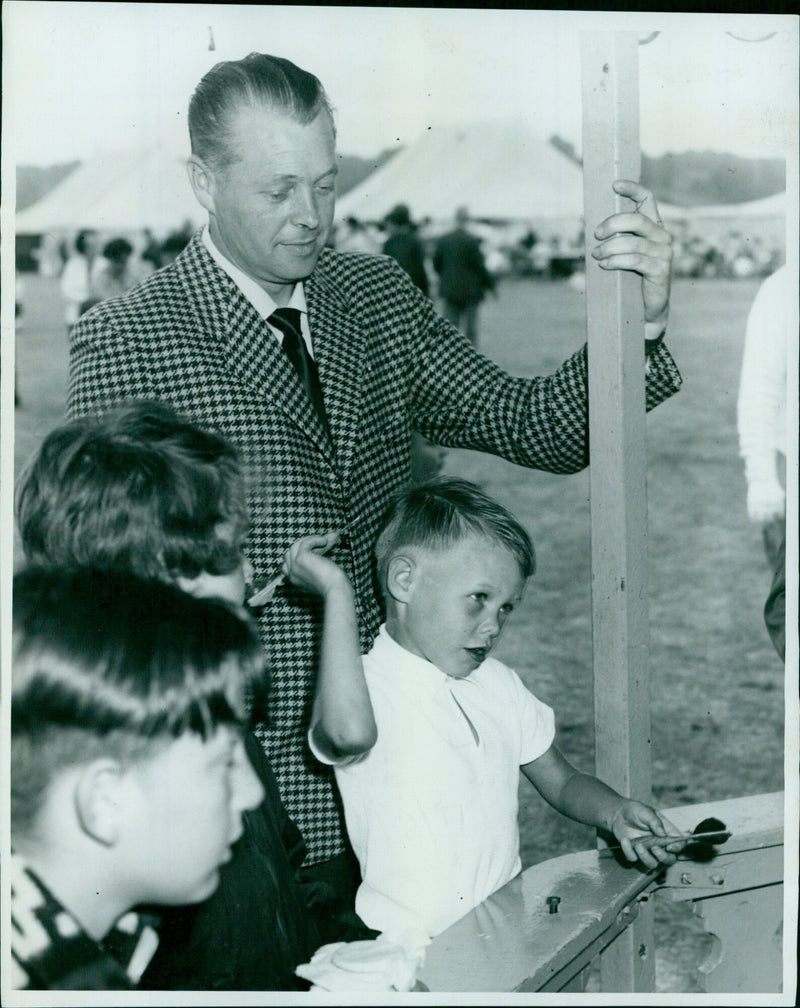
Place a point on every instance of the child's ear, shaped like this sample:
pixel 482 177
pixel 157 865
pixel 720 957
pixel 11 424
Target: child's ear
pixel 400 576
pixel 97 800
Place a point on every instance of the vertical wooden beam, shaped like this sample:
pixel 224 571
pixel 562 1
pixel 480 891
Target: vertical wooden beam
pixel 618 466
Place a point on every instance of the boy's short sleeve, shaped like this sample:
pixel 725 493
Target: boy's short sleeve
pixel 327 761
pixel 536 722
pixel 316 753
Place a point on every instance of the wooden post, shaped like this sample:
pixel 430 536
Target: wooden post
pixel 618 466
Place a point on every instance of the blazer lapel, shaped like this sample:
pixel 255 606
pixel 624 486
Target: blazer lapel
pixel 250 348
pixel 339 353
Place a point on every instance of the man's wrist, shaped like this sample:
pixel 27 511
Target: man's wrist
pixel 653 334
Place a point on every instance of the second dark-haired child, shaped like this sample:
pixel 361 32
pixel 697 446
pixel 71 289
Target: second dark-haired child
pixel 429 740
pixel 128 771
pixel 144 490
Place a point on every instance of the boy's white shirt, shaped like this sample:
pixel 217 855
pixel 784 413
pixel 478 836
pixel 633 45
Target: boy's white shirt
pixel 431 813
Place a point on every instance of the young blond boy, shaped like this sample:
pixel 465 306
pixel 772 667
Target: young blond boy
pixel 428 741
pixel 128 771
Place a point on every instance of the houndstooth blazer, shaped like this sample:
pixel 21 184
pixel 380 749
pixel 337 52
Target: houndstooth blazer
pixel 388 363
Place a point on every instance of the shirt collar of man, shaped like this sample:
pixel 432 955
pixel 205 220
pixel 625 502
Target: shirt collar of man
pixel 257 297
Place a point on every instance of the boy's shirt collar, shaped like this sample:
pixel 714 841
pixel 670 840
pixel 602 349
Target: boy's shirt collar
pixel 419 675
pixel 51 951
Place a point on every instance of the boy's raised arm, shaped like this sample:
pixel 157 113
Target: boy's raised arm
pixel 342 722
pixel 588 800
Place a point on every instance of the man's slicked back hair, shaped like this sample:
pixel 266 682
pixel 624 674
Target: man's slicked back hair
pixel 108 664
pixel 441 513
pixel 258 80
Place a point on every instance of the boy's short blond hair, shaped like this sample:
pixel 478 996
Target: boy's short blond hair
pixel 437 514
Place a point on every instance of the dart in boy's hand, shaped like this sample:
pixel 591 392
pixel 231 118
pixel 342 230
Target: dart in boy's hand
pixel 699 845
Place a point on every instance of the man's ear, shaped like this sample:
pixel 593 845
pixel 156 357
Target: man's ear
pixel 202 180
pixel 97 800
pixel 400 577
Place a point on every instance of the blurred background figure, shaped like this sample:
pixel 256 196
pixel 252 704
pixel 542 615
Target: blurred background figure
pixel 353 236
pixel 76 276
pixel 775 605
pixel 404 245
pixel 117 272
pixel 49 256
pixel 151 252
pixel 463 276
pixel 172 246
pixel 19 322
pixel 762 410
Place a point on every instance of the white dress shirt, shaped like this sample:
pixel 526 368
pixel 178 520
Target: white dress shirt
pixel 431 810
pixel 258 297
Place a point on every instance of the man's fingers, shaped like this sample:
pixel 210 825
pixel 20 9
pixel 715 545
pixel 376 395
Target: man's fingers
pixel 633 224
pixel 643 198
pixel 635 261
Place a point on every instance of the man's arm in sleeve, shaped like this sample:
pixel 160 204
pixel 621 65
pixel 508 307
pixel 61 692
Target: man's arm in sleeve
pixel 463 400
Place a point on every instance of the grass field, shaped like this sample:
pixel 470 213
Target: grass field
pixel 717 683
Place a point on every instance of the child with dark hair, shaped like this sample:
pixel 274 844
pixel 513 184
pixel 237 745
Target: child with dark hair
pixel 128 771
pixel 142 489
pixel 428 740
pixel 139 489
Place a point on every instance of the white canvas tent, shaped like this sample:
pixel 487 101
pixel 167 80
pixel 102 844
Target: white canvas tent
pixel 763 220
pixel 769 207
pixel 117 191
pixel 497 170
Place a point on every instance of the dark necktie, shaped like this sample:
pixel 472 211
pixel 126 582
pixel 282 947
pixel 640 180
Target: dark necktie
pixel 287 320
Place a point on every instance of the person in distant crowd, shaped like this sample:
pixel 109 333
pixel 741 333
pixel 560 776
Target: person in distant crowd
pixel 463 276
pixel 404 246
pixel 117 272
pixel 151 252
pixel 762 417
pixel 128 773
pixel 353 236
pixel 76 276
pixel 171 247
pixel 775 604
pixel 143 490
pixel 318 365
pixel 49 256
pixel 19 323
pixel 762 409
pixel 428 737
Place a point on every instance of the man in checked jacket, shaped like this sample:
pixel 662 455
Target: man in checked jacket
pixel 201 335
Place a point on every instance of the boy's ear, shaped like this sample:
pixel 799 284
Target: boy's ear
pixel 97 800
pixel 400 577
pixel 202 182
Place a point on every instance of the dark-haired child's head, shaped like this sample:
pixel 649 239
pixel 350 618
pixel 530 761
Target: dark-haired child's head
pixel 127 709
pixel 452 564
pixel 139 489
